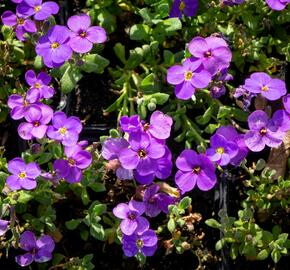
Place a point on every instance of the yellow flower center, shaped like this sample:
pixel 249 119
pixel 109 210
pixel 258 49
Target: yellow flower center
pixel 62 130
pixel 263 131
pixel 182 6
pixel 22 175
pixel 54 45
pixel 146 126
pixel 139 243
pixel 71 162
pixel 25 103
pixel 142 153
pixel 37 8
pixel 265 88
pixel 20 21
pixel 37 85
pixel 196 170
pixel 220 150
pixel 188 75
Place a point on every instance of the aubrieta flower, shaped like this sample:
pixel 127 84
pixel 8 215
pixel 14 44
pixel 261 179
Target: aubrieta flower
pixel 212 52
pixel 84 35
pixel 3 226
pixel 245 96
pixel 54 46
pixel 187 78
pixel 231 135
pixel 17 1
pixel 221 150
pixel 37 118
pixel 145 243
pixel 38 250
pixel 41 11
pixel 19 105
pixel 40 84
pixel 281 121
pixel 186 7
pixel 194 169
pixel 130 124
pixel 23 175
pixel 218 89
pixel 65 129
pixel 263 131
pixel 262 83
pixel 21 23
pixel 71 168
pixel 231 2
pixel 277 4
pixel 286 103
pixel 132 221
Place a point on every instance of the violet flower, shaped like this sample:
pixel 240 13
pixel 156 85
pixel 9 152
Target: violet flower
pixel 187 78
pixel 212 52
pixel 19 105
pixel 186 7
pixel 3 226
pixel 21 23
pixel 37 118
pixel 41 11
pixel 132 221
pixel 286 103
pixel 17 1
pixel 231 2
pixel 145 243
pixel 23 175
pixel 54 46
pixel 262 132
pixel 281 121
pixel 130 124
pixel 40 84
pixel 38 250
pixel 221 150
pixel 218 89
pixel 262 83
pixel 245 96
pixel 277 4
pixel 194 169
pixel 65 129
pixel 71 168
pixel 84 35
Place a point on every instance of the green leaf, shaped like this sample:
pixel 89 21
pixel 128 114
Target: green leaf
pixel 94 63
pixel 276 256
pixel 73 224
pixel 171 225
pixel 134 59
pixel 184 203
pixel 168 58
pixel 263 254
pixel 98 209
pixel 44 158
pixel 139 32
pixel 70 79
pixel 219 244
pixel 234 251
pixel 98 187
pixel 147 84
pixel 161 98
pixel 213 223
pixel 97 231
pixel 171 25
pixel 119 50
pixel 24 197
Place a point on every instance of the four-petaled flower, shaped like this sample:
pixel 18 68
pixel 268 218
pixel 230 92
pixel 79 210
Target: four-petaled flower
pixel 186 7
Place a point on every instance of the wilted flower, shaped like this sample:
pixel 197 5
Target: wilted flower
pixel 21 23
pixel 38 250
pixel 212 52
pixel 245 95
pixel 145 243
pixel 41 11
pixel 286 103
pixel 84 35
pixel 23 175
pixel 65 129
pixel 262 83
pixel 3 226
pixel 187 78
pixel 194 169
pixel 132 221
pixel 186 7
pixel 54 46
pixel 218 89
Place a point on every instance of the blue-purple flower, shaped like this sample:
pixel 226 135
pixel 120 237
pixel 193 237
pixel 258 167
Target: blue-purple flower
pixel 186 7
pixel 3 226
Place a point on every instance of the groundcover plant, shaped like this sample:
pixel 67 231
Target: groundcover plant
pixel 147 134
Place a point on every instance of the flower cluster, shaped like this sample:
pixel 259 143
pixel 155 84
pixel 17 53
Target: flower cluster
pixel 210 56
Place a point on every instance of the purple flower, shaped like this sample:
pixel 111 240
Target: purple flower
pixel 218 89
pixel 194 169
pixel 231 2
pixel 262 132
pixel 132 221
pixel 142 155
pixel 21 23
pixel 262 83
pixel 65 129
pixel 130 124
pixel 54 46
pixel 281 121
pixel 221 150
pixel 71 168
pixel 40 84
pixel 41 11
pixel 231 135
pixel 3 226
pixel 277 4
pixel 37 118
pixel 83 36
pixel 160 125
pixel 212 52
pixel 23 175
pixel 18 105
pixel 17 1
pixel 245 95
pixel 145 243
pixel 187 78
pixel 38 250
pixel 286 103
pixel 186 7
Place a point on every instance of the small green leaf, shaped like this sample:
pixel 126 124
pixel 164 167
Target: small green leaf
pixel 171 225
pixel 213 223
pixel 94 63
pixel 263 254
pixel 70 79
pixel 119 50
pixel 139 32
pixel 184 203
pixel 219 244
pixel 73 224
